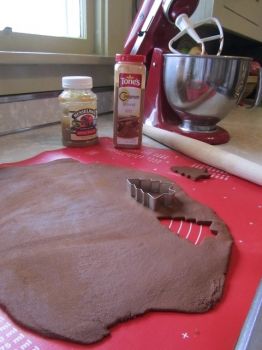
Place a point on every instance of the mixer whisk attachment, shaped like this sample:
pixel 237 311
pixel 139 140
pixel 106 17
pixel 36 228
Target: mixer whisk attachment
pixel 185 26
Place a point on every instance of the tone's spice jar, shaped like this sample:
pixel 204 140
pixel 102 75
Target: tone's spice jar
pixel 79 108
pixel 129 87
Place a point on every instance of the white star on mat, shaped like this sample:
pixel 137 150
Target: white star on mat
pixel 185 335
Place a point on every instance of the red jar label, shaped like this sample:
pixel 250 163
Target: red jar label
pixel 83 124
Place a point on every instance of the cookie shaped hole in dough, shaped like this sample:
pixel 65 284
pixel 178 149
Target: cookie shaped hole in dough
pixel 160 196
pixel 194 232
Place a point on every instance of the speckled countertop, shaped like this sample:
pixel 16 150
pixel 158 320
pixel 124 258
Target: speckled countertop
pixel 244 126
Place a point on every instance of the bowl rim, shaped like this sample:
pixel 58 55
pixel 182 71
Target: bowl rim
pixel 208 56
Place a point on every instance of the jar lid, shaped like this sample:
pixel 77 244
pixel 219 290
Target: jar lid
pixel 77 82
pixel 130 58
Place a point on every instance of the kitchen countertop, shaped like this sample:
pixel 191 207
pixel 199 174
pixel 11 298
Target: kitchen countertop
pixel 244 126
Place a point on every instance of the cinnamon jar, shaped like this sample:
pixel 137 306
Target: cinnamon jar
pixel 129 87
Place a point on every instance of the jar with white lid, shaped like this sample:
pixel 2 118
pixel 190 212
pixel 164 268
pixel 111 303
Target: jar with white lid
pixel 79 108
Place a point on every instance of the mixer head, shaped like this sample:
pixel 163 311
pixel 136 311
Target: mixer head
pixel 154 25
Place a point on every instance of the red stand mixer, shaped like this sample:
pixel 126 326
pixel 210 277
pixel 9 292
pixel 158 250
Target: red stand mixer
pixel 185 93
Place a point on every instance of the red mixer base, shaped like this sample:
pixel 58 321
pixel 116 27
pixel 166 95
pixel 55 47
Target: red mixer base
pixel 216 137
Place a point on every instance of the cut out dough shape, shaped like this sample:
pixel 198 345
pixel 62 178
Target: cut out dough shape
pixel 191 173
pixel 79 255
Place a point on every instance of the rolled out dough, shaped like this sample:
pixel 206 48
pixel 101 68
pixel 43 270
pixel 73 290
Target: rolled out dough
pixel 78 254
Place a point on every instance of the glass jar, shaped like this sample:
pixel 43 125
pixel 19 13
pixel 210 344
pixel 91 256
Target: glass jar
pixel 79 108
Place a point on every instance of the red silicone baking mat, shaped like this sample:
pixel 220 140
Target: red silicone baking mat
pixel 236 201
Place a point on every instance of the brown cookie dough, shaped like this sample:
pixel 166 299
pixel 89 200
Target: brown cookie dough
pixel 191 173
pixel 78 254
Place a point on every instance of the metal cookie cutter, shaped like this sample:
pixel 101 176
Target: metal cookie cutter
pixel 153 194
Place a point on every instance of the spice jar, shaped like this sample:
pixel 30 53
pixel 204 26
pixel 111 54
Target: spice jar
pixel 129 87
pixel 79 107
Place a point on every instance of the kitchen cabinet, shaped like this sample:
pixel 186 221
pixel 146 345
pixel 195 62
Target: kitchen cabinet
pixel 243 16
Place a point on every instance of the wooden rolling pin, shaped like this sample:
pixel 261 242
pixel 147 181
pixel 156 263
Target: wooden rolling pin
pixel 208 154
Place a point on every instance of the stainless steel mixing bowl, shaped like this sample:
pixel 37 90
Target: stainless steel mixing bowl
pixel 203 89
